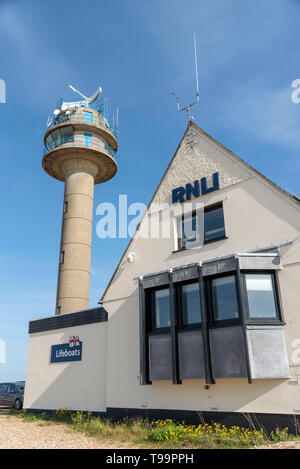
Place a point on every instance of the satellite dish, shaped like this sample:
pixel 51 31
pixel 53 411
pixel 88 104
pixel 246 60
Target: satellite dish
pixel 56 112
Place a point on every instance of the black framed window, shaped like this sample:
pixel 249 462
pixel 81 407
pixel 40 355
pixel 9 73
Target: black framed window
pixel 261 293
pixel 214 226
pixel 214 223
pixel 189 229
pixel 190 306
pixel 160 309
pixel 223 299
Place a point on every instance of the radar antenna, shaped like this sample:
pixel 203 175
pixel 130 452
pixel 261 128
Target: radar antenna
pixel 73 105
pixel 189 106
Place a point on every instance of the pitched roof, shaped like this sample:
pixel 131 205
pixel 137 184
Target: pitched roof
pixel 290 196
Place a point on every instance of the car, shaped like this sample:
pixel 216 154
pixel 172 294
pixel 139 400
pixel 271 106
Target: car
pixel 12 395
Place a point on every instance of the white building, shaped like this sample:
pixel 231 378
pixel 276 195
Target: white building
pixel 200 321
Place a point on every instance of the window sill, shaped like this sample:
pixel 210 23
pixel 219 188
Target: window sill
pixel 265 322
pixel 204 244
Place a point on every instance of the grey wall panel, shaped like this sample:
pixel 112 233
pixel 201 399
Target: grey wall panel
pixel 191 361
pixel 259 262
pixel 228 352
pixel 219 266
pixel 186 273
pixel 268 352
pixel 79 318
pixel 160 365
pixel 156 280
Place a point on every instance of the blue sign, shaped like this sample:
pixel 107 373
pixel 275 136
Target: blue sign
pixel 182 194
pixel 66 353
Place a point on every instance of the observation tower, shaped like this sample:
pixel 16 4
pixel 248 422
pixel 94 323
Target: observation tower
pixel 80 147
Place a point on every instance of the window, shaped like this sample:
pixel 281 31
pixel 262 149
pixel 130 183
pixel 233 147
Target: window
pixel 189 229
pixel 161 309
pixel 60 136
pixel 88 117
pixel 190 304
pixel 224 298
pixel 62 257
pixel 67 134
pixel 214 224
pixel 261 296
pixel 58 310
pixel 87 139
pixel 66 206
pixel 214 227
pixel 12 389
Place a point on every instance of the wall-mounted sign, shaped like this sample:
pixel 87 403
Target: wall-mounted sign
pixel 69 352
pixel 181 194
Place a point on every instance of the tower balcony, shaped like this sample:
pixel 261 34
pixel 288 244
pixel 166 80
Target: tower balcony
pixel 78 146
pixel 86 141
pixel 87 120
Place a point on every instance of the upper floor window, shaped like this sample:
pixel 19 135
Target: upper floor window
pixel 261 296
pixel 214 226
pixel 214 223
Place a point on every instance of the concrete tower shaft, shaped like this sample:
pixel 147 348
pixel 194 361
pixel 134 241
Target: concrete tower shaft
pixel 79 150
pixel 76 236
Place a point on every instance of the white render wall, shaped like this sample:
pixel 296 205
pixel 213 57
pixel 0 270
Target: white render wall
pixel 257 215
pixel 78 385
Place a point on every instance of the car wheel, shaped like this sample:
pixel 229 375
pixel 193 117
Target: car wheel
pixel 18 404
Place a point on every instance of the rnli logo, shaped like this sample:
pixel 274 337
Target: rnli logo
pixel 69 352
pixel 199 187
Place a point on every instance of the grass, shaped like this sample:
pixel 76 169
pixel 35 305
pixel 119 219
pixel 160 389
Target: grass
pixel 140 433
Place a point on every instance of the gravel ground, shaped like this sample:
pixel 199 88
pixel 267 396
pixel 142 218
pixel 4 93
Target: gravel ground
pixel 283 445
pixel 15 433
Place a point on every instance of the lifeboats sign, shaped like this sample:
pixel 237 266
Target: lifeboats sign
pixel 199 187
pixel 69 352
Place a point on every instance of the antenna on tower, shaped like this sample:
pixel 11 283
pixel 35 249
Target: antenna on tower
pixel 73 105
pixel 189 106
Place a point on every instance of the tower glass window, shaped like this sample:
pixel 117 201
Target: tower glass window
pixel 88 116
pixel 161 308
pixel 67 134
pixel 87 139
pixel 190 304
pixel 224 298
pixel 261 295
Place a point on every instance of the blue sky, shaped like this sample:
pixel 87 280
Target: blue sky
pixel 139 52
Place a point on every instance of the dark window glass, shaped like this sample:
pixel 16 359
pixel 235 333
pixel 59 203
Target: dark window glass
pixel 67 134
pixel 214 227
pixel 12 388
pixel 161 308
pixel 261 297
pixel 190 301
pixel 224 298
pixel 214 224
